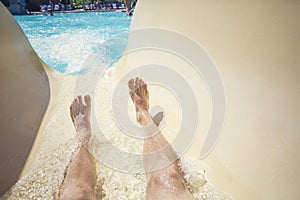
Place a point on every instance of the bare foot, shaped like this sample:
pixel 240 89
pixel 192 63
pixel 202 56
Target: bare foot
pixel 80 115
pixel 140 96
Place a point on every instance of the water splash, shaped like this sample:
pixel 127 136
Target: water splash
pixel 65 41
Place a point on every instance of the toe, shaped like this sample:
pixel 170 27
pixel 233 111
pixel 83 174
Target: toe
pixel 81 107
pixel 143 88
pixel 80 99
pixel 87 100
pixel 142 84
pixel 138 86
pixel 136 83
pixel 76 107
pixel 73 109
pixel 131 84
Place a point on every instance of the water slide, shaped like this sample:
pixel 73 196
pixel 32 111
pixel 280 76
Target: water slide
pixel 25 94
pixel 248 71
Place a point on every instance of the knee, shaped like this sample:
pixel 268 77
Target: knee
pixel 170 179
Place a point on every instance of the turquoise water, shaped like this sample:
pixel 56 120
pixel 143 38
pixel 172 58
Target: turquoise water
pixel 65 41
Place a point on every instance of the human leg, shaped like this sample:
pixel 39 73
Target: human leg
pixel 80 179
pixel 165 180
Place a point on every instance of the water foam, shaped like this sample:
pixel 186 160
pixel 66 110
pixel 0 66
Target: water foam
pixel 65 41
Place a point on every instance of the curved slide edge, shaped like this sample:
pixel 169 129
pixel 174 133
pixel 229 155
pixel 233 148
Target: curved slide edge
pixel 25 94
pixel 255 46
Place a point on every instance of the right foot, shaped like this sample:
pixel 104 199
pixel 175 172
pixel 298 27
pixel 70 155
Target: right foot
pixel 140 97
pixel 80 115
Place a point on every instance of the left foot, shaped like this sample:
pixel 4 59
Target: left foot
pixel 80 114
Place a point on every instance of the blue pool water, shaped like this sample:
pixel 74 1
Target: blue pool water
pixel 65 41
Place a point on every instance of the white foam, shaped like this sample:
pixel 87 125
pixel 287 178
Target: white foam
pixel 67 51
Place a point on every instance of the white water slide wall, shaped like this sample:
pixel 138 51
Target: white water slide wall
pixel 255 46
